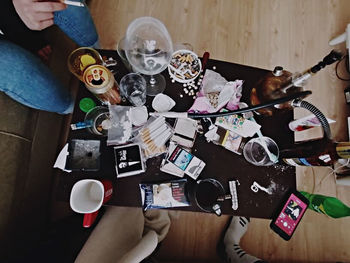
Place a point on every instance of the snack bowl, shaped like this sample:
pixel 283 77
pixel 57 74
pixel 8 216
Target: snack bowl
pixel 185 66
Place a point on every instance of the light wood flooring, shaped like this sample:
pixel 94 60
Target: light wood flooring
pixel 261 33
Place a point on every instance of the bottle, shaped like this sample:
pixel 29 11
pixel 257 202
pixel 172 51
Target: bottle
pixel 269 88
pixel 279 83
pixel 300 79
pixel 327 205
pixel 318 152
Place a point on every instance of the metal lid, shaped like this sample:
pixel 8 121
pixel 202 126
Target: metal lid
pixel 96 76
pixel 277 71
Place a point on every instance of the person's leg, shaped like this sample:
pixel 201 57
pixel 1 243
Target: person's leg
pixel 27 80
pixel 233 235
pixel 76 23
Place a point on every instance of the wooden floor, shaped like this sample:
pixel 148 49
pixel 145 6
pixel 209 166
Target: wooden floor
pixel 261 33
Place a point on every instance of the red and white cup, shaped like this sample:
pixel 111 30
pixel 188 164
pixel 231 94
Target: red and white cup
pixel 87 197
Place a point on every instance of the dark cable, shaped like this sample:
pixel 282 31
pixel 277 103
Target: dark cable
pixel 293 96
pixel 319 115
pixel 346 57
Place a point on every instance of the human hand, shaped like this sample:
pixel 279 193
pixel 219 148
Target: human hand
pixel 37 15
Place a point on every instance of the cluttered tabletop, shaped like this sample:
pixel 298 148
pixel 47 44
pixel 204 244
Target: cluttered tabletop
pixel 177 163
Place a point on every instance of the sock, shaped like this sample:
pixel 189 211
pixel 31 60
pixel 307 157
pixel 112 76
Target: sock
pixel 236 230
pixel 235 254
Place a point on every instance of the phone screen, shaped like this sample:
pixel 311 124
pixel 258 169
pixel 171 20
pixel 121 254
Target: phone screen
pixel 291 214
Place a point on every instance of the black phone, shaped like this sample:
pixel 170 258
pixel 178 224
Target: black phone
pixel 289 214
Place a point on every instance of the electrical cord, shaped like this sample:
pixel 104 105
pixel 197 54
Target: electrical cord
pixel 334 171
pixel 346 57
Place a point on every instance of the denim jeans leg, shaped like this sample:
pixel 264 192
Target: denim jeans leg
pixel 76 23
pixel 27 80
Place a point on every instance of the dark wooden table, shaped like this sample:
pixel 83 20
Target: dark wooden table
pixel 221 164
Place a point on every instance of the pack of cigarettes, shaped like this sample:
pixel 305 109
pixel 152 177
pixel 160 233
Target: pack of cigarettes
pixel 164 195
pixel 169 167
pixel 187 162
pixel 128 160
pixel 185 131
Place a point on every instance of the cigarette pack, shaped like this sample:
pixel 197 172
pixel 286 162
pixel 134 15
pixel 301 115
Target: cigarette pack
pixel 190 164
pixel 164 195
pixel 169 167
pixel 128 160
pixel 185 132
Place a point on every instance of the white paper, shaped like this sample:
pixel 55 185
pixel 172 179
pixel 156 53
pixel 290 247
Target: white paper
pixel 61 159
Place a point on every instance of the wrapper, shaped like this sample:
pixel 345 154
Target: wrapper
pixel 164 195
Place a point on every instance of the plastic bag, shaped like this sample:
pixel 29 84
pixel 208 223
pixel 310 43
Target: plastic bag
pixel 164 195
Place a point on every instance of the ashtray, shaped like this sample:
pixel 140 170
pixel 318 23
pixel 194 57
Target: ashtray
pixel 185 66
pixel 84 155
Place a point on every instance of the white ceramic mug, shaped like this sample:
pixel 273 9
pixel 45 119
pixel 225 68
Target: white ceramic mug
pixel 87 197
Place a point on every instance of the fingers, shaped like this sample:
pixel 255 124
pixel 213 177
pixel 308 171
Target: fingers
pixel 42 24
pixel 48 6
pixel 37 15
pixel 41 16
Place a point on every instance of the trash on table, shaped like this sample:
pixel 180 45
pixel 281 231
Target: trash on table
pixel 121 125
pixel 216 93
pixel 162 103
pixel 164 195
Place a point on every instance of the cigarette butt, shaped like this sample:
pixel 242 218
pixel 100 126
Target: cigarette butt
pixel 75 3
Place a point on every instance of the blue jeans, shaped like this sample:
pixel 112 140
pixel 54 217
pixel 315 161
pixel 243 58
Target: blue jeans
pixel 27 80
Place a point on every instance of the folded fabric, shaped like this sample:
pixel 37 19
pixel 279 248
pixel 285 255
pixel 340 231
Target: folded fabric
pixel 125 235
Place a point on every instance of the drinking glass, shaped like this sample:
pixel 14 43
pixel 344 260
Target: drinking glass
pixel 100 119
pixel 149 51
pixel 133 88
pixel 81 58
pixel 121 49
pixel 207 192
pixel 261 151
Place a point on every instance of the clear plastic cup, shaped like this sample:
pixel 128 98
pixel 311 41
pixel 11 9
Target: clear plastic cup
pixel 133 88
pixel 261 151
pixel 100 119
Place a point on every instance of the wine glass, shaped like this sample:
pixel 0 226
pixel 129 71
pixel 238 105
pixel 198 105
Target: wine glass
pixel 149 51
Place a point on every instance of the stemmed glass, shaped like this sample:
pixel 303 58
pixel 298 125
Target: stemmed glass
pixel 149 51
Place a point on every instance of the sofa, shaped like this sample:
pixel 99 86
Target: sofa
pixel 29 143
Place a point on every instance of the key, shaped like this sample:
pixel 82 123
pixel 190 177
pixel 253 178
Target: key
pixel 255 188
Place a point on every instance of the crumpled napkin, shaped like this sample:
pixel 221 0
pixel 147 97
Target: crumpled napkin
pixel 216 93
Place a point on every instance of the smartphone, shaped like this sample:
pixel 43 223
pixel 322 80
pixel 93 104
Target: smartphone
pixel 289 214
